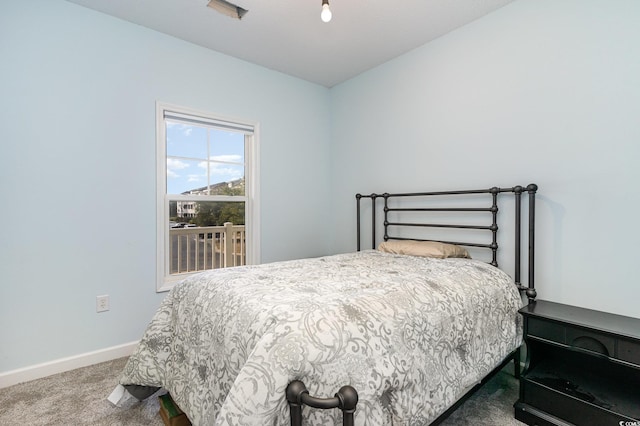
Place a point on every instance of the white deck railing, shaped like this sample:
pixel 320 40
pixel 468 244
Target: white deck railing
pixel 207 247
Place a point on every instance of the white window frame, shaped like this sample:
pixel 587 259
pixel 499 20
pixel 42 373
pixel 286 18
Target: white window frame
pixel 166 281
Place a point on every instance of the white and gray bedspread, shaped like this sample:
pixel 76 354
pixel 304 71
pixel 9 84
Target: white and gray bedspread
pixel 410 334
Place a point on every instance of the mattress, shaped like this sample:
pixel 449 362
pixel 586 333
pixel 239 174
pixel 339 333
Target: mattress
pixel 411 334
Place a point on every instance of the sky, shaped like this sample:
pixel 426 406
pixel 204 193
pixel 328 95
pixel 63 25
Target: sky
pixel 198 155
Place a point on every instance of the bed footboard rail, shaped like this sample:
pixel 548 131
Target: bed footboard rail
pixel 345 399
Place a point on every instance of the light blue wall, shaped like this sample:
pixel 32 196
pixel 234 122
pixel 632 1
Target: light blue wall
pixel 540 91
pixel 77 181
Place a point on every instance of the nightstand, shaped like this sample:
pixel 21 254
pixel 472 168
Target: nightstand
pixel 582 367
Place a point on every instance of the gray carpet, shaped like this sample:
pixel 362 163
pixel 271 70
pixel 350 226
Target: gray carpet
pixel 79 398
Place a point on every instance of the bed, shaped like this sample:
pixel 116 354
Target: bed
pixel 411 335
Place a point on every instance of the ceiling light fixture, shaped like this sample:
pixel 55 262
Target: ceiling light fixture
pixel 228 9
pixel 325 15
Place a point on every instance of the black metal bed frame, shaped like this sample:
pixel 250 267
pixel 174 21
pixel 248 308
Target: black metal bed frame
pixel 346 398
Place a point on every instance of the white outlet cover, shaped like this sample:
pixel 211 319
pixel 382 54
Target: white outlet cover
pixel 102 303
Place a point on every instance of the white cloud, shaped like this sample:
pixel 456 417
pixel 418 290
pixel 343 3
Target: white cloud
pixel 229 158
pixel 185 128
pixel 173 166
pixel 229 171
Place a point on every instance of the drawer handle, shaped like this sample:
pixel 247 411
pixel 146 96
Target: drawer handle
pixel 590 344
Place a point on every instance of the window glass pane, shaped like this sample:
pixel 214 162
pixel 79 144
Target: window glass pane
pixel 226 179
pixel 185 140
pixel 226 146
pixel 186 176
pixel 198 239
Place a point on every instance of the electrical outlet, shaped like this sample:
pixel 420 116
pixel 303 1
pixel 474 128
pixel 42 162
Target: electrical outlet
pixel 102 303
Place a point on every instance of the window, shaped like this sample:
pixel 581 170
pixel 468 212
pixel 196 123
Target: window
pixel 207 193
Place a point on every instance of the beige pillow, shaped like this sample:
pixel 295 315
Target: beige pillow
pixel 423 248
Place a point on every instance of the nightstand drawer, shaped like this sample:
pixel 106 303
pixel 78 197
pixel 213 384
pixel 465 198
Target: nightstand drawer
pixel 590 341
pixel 629 351
pixel 546 330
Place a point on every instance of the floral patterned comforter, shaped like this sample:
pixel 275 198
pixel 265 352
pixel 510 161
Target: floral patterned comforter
pixel 410 334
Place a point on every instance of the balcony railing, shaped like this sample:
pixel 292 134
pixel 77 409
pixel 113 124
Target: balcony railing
pixel 207 247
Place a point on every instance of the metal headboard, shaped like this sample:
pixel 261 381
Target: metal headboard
pixel 493 227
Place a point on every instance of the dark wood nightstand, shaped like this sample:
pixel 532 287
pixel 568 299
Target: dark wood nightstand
pixel 582 368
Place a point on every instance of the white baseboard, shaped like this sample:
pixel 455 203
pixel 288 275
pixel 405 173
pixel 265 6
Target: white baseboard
pixel 39 371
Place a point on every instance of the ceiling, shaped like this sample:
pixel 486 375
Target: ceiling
pixel 288 35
